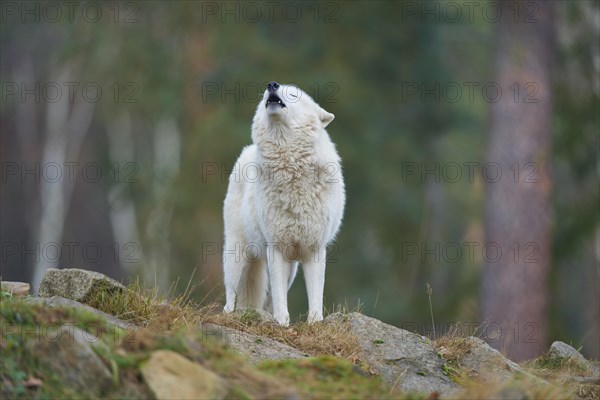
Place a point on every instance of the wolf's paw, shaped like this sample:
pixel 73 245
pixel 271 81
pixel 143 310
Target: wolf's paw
pixel 314 317
pixel 283 319
pixel 228 309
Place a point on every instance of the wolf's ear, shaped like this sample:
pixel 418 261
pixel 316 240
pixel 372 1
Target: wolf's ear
pixel 325 117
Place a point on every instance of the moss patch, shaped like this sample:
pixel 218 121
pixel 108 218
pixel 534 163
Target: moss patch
pixel 29 320
pixel 22 322
pixel 327 377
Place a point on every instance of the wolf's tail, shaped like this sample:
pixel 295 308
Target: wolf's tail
pixel 252 290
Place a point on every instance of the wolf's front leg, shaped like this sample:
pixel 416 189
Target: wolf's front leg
pixel 314 276
pixel 279 272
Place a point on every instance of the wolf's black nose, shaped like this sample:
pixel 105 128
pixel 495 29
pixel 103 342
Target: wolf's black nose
pixel 272 86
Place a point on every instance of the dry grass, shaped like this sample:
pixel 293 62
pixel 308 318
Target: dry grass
pixel 552 367
pixel 148 307
pixel 451 348
pixel 322 338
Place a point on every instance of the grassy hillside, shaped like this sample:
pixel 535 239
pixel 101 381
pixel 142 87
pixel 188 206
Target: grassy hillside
pixel 37 363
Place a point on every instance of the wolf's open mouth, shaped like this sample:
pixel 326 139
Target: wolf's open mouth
pixel 274 99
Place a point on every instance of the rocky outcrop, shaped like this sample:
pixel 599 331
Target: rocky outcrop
pixel 76 284
pixel 172 376
pixel 405 360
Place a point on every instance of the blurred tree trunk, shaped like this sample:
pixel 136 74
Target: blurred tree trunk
pixel 167 160
pixel 518 213
pixel 123 210
pixel 66 128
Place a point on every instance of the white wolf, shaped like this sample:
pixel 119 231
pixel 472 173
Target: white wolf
pixel 284 204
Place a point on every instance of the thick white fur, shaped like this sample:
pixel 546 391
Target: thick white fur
pixel 284 204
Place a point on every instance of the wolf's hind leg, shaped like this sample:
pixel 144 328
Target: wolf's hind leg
pixel 233 270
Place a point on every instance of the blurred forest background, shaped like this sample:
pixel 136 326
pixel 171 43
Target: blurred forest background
pixel 120 123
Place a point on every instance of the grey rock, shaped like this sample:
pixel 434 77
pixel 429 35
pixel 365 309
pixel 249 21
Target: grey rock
pixel 172 376
pixel 67 352
pixel 256 348
pixel 562 350
pixel 404 360
pixel 76 284
pixel 57 301
pixel 487 362
pixel 15 288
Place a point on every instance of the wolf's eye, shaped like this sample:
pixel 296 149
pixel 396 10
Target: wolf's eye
pixel 294 96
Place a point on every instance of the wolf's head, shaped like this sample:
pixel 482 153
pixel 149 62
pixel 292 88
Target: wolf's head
pixel 289 106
